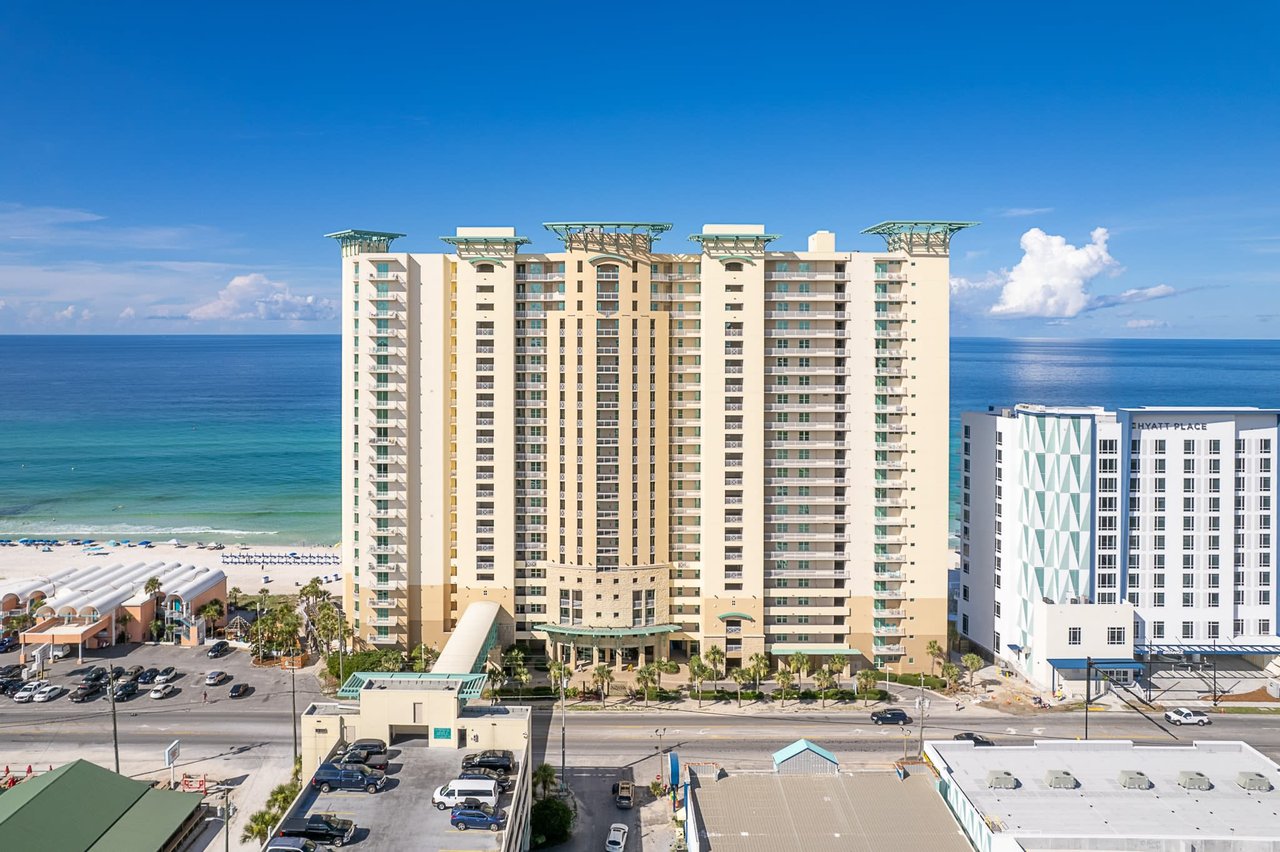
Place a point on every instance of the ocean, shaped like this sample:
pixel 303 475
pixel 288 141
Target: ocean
pixel 236 437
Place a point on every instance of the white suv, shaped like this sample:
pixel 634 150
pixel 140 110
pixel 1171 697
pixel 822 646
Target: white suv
pixel 1183 716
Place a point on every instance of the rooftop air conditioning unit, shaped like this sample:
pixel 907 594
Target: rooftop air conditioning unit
pixel 1253 781
pixel 999 779
pixel 1132 779
pixel 1060 779
pixel 1194 781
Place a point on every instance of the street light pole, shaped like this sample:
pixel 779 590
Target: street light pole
pixel 293 693
pixel 1215 672
pixel 564 772
pixel 924 709
pixel 115 731
pixel 660 732
pixel 1088 692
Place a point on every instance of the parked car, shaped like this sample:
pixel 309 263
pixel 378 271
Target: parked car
pixel 85 692
pixel 458 793
pixel 892 716
pixel 479 773
pixel 624 794
pixel 148 677
pixel 47 693
pixel 8 643
pixel 976 739
pixel 240 690
pixel 214 678
pixel 163 690
pixel 292 844
pixel 11 670
pixel 364 758
pixel 1183 716
pixel 325 828
pixel 24 695
pixel 371 745
pixel 617 839
pixel 61 652
pixel 331 776
pixel 117 674
pixel 97 674
pixel 501 761
pixel 217 649
pixel 126 690
pixel 10 686
pixel 133 672
pixel 479 816
pixel 167 675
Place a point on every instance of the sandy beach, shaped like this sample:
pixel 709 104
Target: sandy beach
pixel 23 561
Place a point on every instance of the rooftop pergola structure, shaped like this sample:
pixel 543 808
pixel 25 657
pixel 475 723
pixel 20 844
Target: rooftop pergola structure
pixel 748 247
pixel 355 242
pixel 486 248
pixel 918 236
pixel 637 237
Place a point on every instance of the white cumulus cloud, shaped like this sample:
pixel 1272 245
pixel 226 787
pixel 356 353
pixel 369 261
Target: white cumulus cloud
pixel 69 312
pixel 254 296
pixel 1052 278
pixel 1146 323
pixel 128 314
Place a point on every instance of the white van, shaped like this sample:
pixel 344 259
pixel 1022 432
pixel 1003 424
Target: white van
pixel 459 790
pixel 61 652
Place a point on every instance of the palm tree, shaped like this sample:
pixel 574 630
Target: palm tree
pixel 799 663
pixel 824 680
pixel 263 594
pixel 157 628
pixel 233 596
pixel 759 665
pixel 496 678
pixel 838 663
pixel 312 593
pixel 423 658
pixel 152 587
pixel 714 658
pixel 557 670
pixel 211 612
pixel 602 677
pixel 258 828
pixel 866 682
pixel 124 619
pixel 646 677
pixel 741 677
pixel 972 662
pixel 522 677
pixel 950 673
pixel 545 777
pixel 665 666
pixel 784 679
pixel 936 654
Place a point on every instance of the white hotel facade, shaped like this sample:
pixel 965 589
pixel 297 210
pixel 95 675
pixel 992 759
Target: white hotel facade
pixel 641 454
pixel 1146 531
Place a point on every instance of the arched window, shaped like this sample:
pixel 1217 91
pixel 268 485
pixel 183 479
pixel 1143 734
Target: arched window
pixel 733 266
pixel 484 267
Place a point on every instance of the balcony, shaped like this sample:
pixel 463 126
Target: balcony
pixel 820 370
pixel 384 549
pixel 391 584
pixel 891 576
pixel 383 621
pixel 823 388
pixel 822 573
pixel 806 276
pixel 777 296
pixel 539 276
pixel 889 650
pixel 808 406
pixel 806 315
pixel 676 276
pixel 386 276
pixel 384 477
pixel 891 409
pixel 386 513
pixel 382 313
pixel 898 334
pixel 890 276
pixel 888 631
pixel 892 298
pixel 816 444
pixel 804 332
pixel 391 347
pixel 889 613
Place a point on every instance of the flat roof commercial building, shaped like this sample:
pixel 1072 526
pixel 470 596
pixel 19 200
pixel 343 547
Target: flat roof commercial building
pixel 639 454
pixel 1111 795
pixel 858 812
pixel 1152 527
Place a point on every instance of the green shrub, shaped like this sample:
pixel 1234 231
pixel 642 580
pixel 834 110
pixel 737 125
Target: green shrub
pixel 550 822
pixel 930 682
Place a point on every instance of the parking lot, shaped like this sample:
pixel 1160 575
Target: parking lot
pixel 192 665
pixel 401 815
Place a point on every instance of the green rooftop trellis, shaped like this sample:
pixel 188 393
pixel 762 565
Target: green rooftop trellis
pixel 737 242
pixel 918 234
pixel 355 241
pixel 605 235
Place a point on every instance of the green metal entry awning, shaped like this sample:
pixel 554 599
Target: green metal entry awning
pixel 604 632
pixel 724 616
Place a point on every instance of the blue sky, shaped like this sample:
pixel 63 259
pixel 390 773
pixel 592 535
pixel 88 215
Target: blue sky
pixel 174 170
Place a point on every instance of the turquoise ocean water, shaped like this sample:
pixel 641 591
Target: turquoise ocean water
pixel 236 437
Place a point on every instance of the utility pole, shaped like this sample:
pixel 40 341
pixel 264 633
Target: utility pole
pixel 1215 672
pixel 564 774
pixel 660 732
pixel 226 819
pixel 293 692
pixel 1088 692
pixel 923 704
pixel 115 731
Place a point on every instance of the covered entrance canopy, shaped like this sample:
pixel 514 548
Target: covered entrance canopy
pixel 1080 663
pixel 621 640
pixel 72 632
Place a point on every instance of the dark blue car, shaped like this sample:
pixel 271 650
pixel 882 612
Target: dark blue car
pixel 478 816
pixel 8 643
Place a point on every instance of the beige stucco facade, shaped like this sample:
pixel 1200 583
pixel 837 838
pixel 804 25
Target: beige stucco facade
pixel 758 436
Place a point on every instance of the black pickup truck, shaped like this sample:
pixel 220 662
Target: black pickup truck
pixel 325 828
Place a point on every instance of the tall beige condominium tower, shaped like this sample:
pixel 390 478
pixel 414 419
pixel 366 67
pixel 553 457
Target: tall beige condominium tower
pixel 641 455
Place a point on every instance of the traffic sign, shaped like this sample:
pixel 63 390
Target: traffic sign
pixel 171 753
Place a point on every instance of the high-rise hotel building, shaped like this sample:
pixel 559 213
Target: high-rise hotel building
pixel 1168 512
pixel 639 454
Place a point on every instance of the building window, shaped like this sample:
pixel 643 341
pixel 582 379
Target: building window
pixel 964 624
pixel 1074 635
pixel 1213 630
pixel 1115 635
pixel 733 266
pixel 1188 630
pixel 1157 630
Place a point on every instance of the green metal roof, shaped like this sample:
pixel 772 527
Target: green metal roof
pixel 481 241
pixel 363 235
pixel 734 238
pixel 605 632
pixel 722 616
pixel 653 229
pixel 469 685
pixel 909 233
pixel 784 754
pixel 78 807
